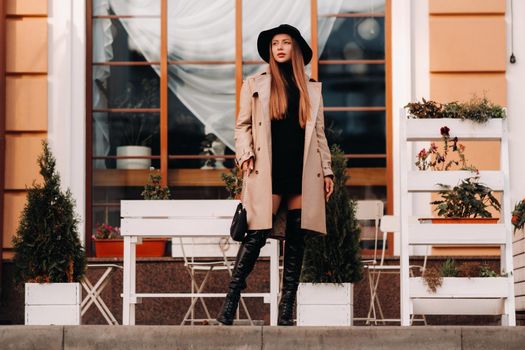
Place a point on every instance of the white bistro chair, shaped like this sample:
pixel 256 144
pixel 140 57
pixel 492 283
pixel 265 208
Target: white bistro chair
pixel 388 223
pixel 368 210
pixel 202 256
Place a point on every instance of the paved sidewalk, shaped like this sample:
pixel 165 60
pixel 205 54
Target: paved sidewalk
pixel 259 337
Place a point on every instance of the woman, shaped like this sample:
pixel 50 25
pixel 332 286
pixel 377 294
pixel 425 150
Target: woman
pixel 281 147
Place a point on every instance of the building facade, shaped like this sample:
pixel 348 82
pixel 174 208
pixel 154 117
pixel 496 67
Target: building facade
pixel 92 76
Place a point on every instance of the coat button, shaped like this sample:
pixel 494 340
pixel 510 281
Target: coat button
pixel 259 123
pixel 318 174
pixel 257 171
pixel 258 148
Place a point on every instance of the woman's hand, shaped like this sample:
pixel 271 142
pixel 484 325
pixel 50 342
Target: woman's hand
pixel 328 187
pixel 247 165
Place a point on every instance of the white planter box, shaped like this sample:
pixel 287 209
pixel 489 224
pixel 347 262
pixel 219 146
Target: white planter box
pixel 52 303
pixel 425 129
pixel 460 296
pixel 325 304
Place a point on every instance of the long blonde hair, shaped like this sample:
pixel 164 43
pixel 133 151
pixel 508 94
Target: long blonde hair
pixel 278 97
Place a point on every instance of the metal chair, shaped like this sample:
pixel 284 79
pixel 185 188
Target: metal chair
pixel 367 210
pixel 197 254
pixel 388 223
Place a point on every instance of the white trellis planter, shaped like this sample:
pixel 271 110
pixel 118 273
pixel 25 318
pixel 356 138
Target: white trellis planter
pixel 52 303
pixel 518 251
pixel 325 304
pixel 474 296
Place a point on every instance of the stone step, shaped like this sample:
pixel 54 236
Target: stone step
pixel 259 337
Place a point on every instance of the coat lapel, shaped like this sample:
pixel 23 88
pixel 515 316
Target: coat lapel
pixel 262 88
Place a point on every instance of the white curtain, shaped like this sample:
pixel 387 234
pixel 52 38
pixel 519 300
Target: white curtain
pixel 204 30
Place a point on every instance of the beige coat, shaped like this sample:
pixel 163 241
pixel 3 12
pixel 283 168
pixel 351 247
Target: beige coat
pixel 253 138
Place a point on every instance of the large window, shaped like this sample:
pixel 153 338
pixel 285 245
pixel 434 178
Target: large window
pixel 164 80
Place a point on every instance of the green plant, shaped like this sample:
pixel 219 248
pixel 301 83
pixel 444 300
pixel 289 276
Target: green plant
pixel 479 110
pixel 46 245
pixel 432 159
pixel 468 199
pixel 518 215
pixel 105 231
pixel 153 189
pixel 138 128
pixel 449 268
pixel 425 109
pixel 486 271
pixel 335 258
pixel 233 182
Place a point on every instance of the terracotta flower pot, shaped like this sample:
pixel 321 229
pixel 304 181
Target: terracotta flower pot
pixel 150 247
pixel 461 220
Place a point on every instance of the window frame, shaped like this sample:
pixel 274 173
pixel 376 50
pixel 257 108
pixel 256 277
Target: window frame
pixel 360 176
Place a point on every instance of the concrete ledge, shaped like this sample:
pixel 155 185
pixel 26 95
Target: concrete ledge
pixel 31 337
pixel 489 338
pixel 391 338
pixel 161 337
pixel 257 337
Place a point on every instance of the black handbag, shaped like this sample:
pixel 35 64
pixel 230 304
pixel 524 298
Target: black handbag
pixel 239 224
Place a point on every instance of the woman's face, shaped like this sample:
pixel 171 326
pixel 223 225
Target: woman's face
pixel 282 47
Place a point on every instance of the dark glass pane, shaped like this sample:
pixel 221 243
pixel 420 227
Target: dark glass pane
pixel 355 38
pixel 350 85
pixel 357 133
pixel 126 39
pixel 112 131
pixel 201 113
pixel 126 87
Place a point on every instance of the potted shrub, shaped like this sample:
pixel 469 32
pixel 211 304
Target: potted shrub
pixel 136 131
pixel 109 243
pixel 465 203
pixel 478 117
pixel 49 256
pixel 332 263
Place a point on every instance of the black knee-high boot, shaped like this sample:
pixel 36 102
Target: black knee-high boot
pixel 244 263
pixel 293 263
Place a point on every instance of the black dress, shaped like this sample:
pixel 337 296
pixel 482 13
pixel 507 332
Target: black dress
pixel 288 142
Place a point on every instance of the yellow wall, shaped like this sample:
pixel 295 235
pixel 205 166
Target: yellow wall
pixel 467 41
pixel 26 104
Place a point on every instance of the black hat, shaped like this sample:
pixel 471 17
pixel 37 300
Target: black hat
pixel 263 41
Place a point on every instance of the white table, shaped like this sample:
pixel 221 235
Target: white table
pixel 181 218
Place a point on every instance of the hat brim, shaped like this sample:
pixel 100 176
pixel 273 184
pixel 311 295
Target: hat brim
pixel 265 37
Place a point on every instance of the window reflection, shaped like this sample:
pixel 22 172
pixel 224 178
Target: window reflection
pixel 356 38
pixel 353 85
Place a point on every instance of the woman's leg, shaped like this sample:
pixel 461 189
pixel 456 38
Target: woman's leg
pixel 244 264
pixel 295 201
pixel 293 260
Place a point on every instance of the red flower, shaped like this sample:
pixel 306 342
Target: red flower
pixel 445 131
